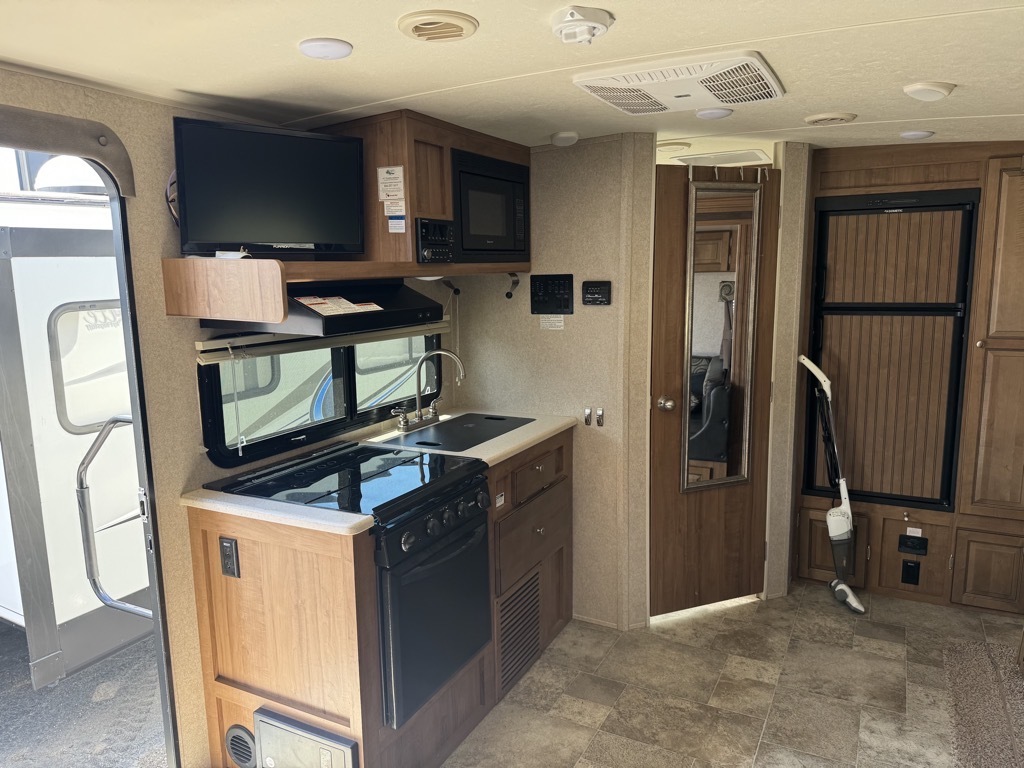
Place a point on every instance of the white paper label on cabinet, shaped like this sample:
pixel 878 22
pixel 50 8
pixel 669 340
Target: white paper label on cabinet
pixel 391 182
pixel 396 224
pixel 913 531
pixel 394 208
pixel 552 322
pixel 499 500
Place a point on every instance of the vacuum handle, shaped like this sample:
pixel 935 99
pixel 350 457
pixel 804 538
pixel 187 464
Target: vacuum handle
pixel 816 372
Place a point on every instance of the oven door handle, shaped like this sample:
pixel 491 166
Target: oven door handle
pixel 423 570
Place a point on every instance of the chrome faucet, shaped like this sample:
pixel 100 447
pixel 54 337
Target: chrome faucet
pixel 419 418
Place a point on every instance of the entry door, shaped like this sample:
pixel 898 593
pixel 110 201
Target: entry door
pixel 66 366
pixel 711 383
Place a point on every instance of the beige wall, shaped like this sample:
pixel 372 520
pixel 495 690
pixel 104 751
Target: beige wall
pixel 592 216
pixel 168 360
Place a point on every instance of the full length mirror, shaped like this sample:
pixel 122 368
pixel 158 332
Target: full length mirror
pixel 720 288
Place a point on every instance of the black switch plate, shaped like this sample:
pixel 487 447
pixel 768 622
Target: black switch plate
pixel 913 545
pixel 551 294
pixel 597 292
pixel 911 572
pixel 229 557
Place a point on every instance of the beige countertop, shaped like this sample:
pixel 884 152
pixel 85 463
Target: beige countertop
pixel 314 518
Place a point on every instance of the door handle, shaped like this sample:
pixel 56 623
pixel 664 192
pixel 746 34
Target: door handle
pixel 92 567
pixel 666 403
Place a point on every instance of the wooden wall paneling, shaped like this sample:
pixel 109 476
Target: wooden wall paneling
pixel 993 446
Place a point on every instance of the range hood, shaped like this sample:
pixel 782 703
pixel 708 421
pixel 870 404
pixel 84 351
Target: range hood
pixel 341 308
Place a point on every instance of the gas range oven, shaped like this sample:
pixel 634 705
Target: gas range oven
pixel 430 524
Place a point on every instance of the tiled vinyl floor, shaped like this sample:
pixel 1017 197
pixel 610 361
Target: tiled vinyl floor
pixel 796 681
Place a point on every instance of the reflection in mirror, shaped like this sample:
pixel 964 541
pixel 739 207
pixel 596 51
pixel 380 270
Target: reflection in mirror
pixel 720 286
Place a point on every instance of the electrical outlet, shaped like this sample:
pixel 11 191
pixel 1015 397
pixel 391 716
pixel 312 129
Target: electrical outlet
pixel 229 557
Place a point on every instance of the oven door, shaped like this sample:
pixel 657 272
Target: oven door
pixel 435 616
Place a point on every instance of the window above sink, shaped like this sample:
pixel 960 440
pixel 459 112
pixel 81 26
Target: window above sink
pixel 261 400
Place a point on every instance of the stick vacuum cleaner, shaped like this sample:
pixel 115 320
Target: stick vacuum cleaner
pixel 839 519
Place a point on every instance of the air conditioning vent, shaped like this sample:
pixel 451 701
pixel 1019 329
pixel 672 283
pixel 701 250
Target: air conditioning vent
pixel 241 746
pixel 741 85
pixel 678 85
pixel 438 26
pixel 518 631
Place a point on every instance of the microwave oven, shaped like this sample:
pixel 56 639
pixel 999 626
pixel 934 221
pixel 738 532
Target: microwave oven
pixel 491 220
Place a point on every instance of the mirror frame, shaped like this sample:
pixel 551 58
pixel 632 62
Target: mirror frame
pixel 695 187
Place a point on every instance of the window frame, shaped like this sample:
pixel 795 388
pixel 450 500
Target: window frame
pixel 211 404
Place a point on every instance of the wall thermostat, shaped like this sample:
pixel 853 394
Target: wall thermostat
pixel 597 292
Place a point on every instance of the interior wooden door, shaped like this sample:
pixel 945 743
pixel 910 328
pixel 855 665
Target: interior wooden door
pixel 992 479
pixel 707 541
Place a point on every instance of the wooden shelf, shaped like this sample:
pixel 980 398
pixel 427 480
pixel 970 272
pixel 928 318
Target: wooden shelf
pixel 253 290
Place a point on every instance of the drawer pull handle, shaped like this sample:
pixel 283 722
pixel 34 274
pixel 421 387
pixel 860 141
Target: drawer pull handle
pixel 539 531
pixel 539 467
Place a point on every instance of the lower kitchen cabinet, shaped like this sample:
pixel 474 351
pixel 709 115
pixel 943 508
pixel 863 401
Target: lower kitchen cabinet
pixel 989 571
pixel 532 518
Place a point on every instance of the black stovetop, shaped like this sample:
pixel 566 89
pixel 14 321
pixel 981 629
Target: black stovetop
pixel 357 478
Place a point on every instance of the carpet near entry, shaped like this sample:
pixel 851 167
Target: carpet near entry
pixel 987 690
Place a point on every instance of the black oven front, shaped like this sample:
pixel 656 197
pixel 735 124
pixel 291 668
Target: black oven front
pixel 435 598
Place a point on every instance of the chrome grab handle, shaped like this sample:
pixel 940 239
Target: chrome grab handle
pixel 92 568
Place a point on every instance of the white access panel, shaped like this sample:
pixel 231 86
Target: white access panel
pixel 43 284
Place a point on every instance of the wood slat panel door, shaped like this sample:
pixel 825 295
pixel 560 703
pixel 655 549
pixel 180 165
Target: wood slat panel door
pixel 992 481
pixel 707 543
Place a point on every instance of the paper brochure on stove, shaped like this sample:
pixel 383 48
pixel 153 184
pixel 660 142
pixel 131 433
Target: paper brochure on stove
pixel 335 305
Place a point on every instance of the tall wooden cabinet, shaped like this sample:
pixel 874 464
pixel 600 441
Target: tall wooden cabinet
pixel 989 554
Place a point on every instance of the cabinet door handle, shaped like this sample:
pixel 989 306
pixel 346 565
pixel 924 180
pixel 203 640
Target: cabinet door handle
pixel 539 531
pixel 539 467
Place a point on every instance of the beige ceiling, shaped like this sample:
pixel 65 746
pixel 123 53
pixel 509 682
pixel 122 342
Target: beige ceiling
pixel 513 78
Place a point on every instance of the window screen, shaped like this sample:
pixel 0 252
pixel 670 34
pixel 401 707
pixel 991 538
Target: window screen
pixel 87 357
pixel 386 371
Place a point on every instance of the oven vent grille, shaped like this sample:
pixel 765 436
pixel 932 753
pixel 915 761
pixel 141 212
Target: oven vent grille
pixel 519 630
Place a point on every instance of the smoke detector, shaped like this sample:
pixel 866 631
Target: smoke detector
pixel 578 24
pixel 830 118
pixel 680 85
pixel 438 26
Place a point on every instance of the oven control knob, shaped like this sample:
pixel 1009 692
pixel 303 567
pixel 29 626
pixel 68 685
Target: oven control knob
pixel 433 526
pixel 448 518
pixel 461 508
pixel 483 500
pixel 408 540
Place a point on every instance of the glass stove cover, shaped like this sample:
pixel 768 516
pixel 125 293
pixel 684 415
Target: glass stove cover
pixel 355 479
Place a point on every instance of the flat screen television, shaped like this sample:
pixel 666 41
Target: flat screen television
pixel 268 190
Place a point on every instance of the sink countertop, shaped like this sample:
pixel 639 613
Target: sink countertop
pixel 347 524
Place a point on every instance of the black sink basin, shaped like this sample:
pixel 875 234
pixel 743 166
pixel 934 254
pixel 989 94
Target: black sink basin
pixel 459 434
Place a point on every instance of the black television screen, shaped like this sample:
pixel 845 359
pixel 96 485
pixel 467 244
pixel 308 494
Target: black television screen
pixel 268 190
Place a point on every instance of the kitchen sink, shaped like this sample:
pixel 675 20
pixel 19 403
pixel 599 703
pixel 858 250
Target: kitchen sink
pixel 460 433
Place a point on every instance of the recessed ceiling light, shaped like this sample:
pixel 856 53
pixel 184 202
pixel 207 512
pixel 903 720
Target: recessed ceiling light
pixel 672 145
pixel 564 138
pixel 830 118
pixel 325 48
pixel 713 113
pixel 928 91
pixel 916 135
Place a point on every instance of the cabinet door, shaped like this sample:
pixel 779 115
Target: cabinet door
pixel 993 435
pixel 933 577
pixel 711 251
pixel 815 548
pixel 988 571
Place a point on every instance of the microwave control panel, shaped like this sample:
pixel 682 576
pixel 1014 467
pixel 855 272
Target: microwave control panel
pixel 551 294
pixel 435 241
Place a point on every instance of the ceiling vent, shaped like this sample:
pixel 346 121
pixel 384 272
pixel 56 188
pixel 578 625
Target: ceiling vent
pixel 723 159
pixel 438 26
pixel 830 118
pixel 679 85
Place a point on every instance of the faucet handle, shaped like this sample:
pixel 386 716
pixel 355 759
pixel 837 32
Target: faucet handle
pixel 399 411
pixel 433 405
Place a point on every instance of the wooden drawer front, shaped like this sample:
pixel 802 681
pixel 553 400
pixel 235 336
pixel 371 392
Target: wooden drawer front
pixel 989 571
pixel 533 532
pixel 535 476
